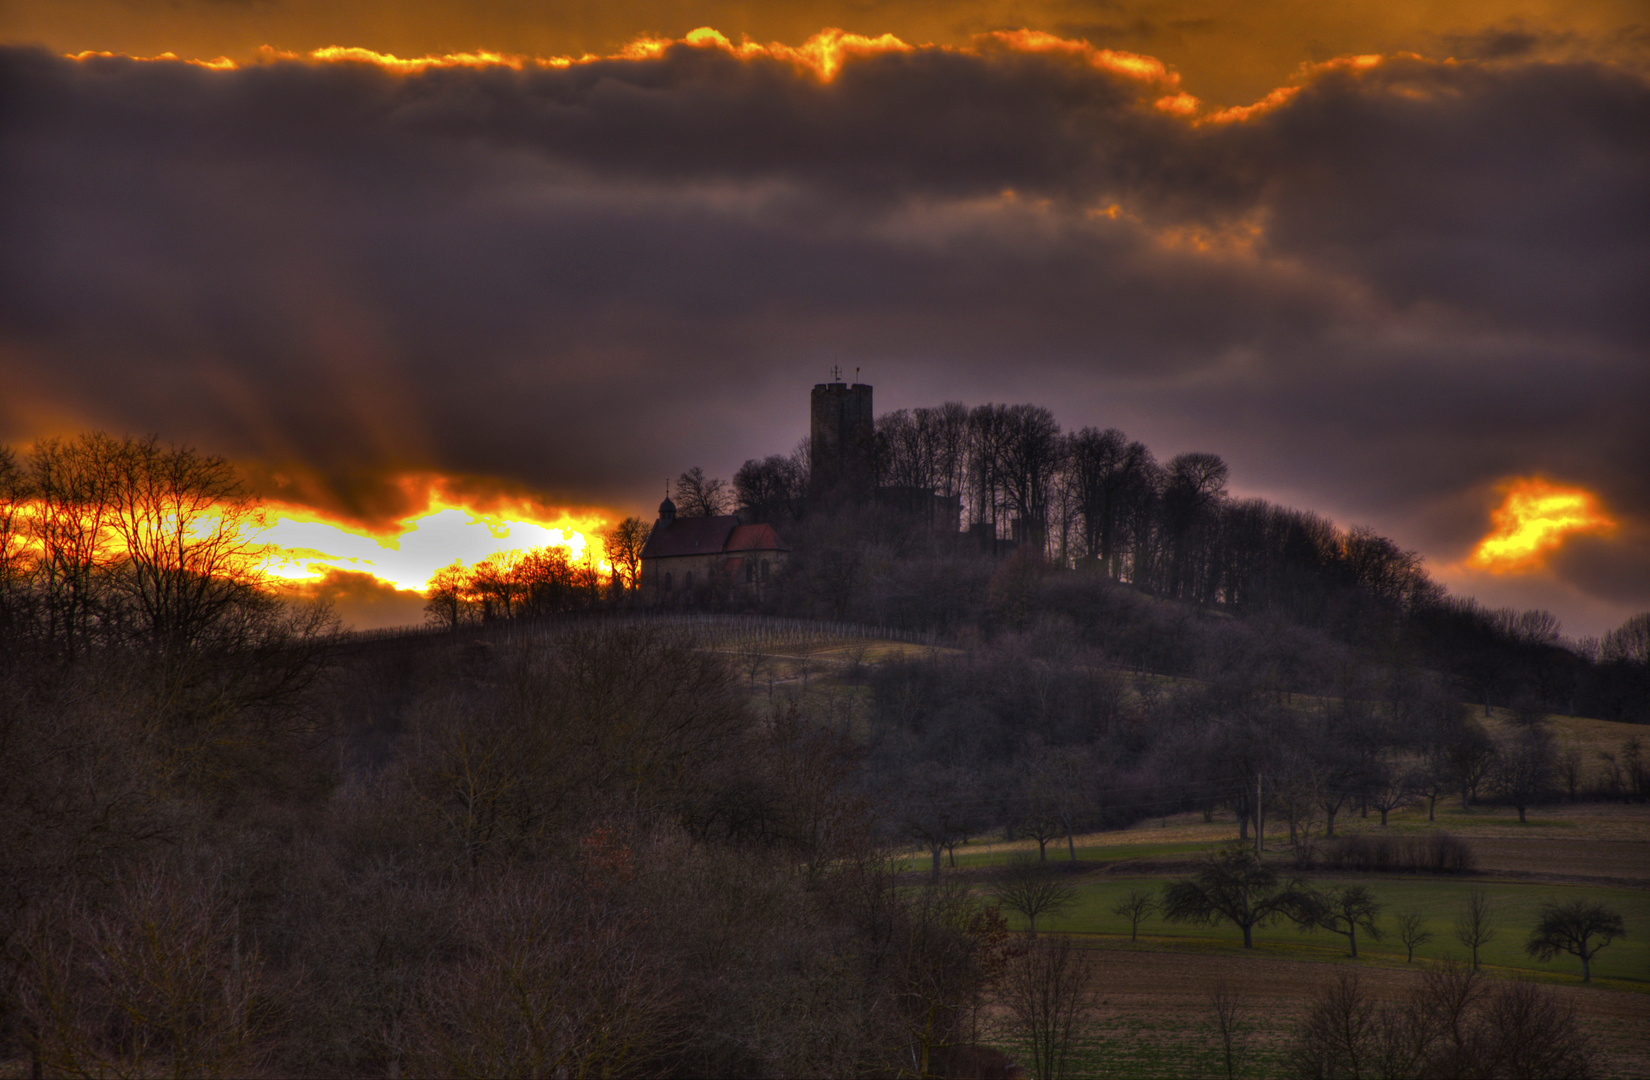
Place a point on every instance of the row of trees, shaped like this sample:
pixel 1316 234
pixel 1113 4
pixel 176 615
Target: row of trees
pixel 538 582
pixel 125 555
pixel 1451 1021
pixel 106 540
pixel 1234 886
pixel 1040 739
pixel 580 853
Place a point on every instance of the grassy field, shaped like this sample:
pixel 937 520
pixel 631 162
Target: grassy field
pixel 1153 1016
pixel 1625 963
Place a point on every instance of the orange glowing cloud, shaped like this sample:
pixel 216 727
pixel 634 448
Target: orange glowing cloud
pixel 304 546
pixel 824 54
pixel 1533 520
pixel 221 63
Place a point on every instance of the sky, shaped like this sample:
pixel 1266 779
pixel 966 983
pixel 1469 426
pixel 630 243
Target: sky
pixel 520 262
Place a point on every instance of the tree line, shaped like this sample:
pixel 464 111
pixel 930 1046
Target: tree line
pixel 1037 735
pixel 1095 502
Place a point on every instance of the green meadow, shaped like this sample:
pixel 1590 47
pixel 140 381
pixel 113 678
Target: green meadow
pixel 1439 899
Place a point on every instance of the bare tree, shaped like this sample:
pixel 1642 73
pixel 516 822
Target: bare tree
pixel 1391 789
pixel 71 530
pixel 1473 927
pixel 770 489
pixel 1031 889
pixel 1339 1033
pixel 1524 769
pixel 1471 755
pixel 1412 931
pixel 936 810
pixel 1226 1007
pixel 623 545
pixel 496 583
pixel 1570 771
pixel 1579 927
pixel 701 496
pixel 185 526
pixel 1342 911
pixel 1046 991
pixel 445 596
pixel 1136 906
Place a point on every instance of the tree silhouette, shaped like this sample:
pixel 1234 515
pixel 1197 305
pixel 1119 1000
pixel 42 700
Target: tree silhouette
pixel 1233 886
pixel 1579 927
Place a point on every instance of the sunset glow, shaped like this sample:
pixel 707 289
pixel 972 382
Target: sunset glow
pixel 305 546
pixel 823 54
pixel 1533 521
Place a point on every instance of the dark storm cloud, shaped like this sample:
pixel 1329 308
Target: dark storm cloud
pixel 1387 292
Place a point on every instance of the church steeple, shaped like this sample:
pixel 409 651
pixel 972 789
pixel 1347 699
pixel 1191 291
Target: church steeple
pixel 667 509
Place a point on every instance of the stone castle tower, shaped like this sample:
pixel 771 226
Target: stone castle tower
pixel 841 435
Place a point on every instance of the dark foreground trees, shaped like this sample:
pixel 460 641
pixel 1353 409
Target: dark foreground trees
pixel 1578 927
pixel 579 854
pixel 1454 1024
pixel 1046 989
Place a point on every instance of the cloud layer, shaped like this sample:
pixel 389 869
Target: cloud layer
pixel 1392 287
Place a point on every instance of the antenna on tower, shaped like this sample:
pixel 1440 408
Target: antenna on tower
pixel 856 374
pixel 836 373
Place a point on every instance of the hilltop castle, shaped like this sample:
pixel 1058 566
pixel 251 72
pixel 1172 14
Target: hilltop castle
pixel 736 560
pixel 842 443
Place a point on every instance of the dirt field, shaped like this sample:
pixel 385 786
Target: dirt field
pixel 1154 1015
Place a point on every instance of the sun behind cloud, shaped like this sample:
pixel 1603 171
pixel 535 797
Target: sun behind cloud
pixel 304 546
pixel 1533 520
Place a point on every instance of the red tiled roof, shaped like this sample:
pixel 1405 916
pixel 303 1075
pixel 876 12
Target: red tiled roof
pixel 709 536
pixel 689 536
pixel 755 538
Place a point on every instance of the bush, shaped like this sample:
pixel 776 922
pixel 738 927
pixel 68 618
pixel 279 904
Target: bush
pixel 1437 852
pixel 1452 1024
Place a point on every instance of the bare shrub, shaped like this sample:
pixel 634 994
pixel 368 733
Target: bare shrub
pixel 1231 1029
pixel 1526 1031
pixel 1453 1024
pixel 160 980
pixel 1437 852
pixel 1336 1037
pixel 550 982
pixel 1046 991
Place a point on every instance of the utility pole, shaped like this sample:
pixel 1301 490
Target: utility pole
pixel 1260 818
